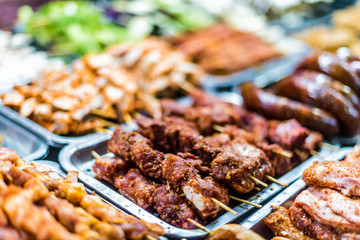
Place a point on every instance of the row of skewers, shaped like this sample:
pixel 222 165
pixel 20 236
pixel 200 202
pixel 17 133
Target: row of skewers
pixel 37 203
pixel 322 94
pixel 102 87
pixel 328 208
pixel 183 168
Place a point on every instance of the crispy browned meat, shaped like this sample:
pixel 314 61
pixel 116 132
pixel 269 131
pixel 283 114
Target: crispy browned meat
pixel 136 187
pixel 281 224
pixel 110 168
pixel 135 148
pixel 172 208
pixel 219 49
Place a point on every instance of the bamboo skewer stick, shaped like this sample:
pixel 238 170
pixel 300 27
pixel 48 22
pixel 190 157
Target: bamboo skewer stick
pixel 315 153
pixel 202 227
pixel 276 181
pixel 257 189
pixel 283 153
pixel 187 86
pixel 104 113
pixel 245 201
pixel 224 206
pixel 219 128
pixel 329 146
pixel 128 119
pixel 257 181
pixel 95 155
pixel 103 130
pixel 301 154
pixel 150 237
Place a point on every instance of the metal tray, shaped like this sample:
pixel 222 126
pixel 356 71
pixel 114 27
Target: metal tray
pixel 49 137
pixel 77 157
pixel 28 146
pixel 255 223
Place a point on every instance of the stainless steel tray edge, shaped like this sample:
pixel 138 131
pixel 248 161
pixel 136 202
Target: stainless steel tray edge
pixel 67 153
pixel 17 133
pixel 255 219
pixel 50 138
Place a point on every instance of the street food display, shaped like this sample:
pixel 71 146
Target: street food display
pixel 37 203
pixel 200 119
pixel 327 208
pixel 322 93
pixel 183 168
pixel 221 49
pixel 103 88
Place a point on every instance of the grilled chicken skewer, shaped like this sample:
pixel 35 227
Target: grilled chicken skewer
pixel 36 183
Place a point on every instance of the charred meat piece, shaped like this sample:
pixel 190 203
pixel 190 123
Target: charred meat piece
pixel 281 224
pixel 281 108
pixel 136 187
pixel 172 208
pixel 280 163
pixel 289 134
pixel 135 148
pixel 182 176
pixel 176 170
pixel 307 90
pixel 195 162
pixel 179 136
pixel 110 168
pixel 234 169
pixel 199 193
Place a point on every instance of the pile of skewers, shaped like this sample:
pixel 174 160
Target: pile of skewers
pixel 103 88
pixel 328 208
pixel 182 167
pixel 37 203
pixel 322 94
pixel 221 49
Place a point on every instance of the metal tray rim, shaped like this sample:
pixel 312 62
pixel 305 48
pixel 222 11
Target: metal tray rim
pixel 43 149
pixel 49 137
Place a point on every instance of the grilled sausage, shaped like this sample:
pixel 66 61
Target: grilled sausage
pixel 282 108
pixel 328 81
pixel 335 67
pixel 305 88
